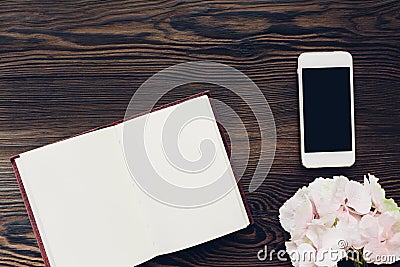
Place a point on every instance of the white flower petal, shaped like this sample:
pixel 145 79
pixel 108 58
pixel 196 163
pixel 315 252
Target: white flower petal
pixel 296 213
pixel 358 197
pixel 324 194
pixel 331 251
pixel 307 255
pixel 376 191
pixel 369 227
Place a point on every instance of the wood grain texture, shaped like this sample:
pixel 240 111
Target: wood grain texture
pixel 70 66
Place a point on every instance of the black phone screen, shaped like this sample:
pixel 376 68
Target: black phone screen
pixel 327 109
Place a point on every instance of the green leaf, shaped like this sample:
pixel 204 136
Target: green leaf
pixel 390 205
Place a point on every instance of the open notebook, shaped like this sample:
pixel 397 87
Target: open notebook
pixel 87 210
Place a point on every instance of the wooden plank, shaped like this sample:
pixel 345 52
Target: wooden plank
pixel 66 68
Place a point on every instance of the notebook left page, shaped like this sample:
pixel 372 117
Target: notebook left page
pixel 83 200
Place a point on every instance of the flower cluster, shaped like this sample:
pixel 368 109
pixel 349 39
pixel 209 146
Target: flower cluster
pixel 332 217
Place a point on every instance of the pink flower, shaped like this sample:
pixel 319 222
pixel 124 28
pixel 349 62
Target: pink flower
pixel 382 236
pixel 357 198
pixel 327 195
pixel 331 243
pixel 330 217
pixel 338 195
pixel 296 214
pixel 379 201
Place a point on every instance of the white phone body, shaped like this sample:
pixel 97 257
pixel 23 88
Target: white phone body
pixel 319 159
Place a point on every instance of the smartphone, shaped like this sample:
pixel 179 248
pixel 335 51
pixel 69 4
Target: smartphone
pixel 326 109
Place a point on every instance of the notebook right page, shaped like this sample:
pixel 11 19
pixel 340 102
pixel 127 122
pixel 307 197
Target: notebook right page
pixel 188 191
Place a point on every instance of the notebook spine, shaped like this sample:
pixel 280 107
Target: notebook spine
pixel 30 212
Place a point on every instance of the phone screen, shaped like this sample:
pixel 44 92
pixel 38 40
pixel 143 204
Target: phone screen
pixel 327 109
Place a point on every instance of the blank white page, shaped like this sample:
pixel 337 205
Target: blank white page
pixel 84 202
pixel 173 227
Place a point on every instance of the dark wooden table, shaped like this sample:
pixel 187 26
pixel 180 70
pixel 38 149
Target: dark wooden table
pixel 68 67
